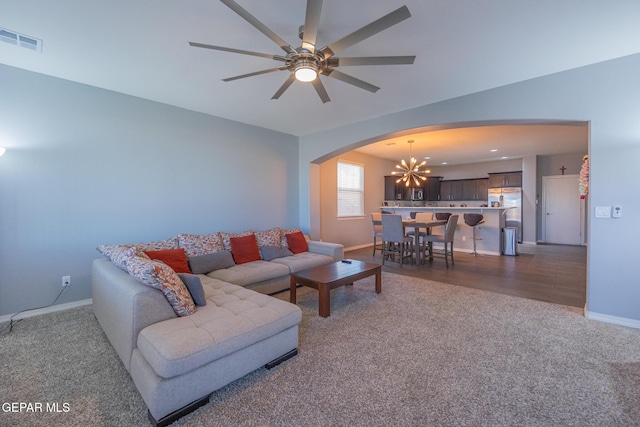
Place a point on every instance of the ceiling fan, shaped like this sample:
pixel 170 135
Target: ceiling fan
pixel 306 62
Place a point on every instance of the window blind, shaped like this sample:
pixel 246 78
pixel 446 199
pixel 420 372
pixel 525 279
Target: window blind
pixel 350 189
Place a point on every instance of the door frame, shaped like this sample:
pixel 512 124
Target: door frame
pixel 583 234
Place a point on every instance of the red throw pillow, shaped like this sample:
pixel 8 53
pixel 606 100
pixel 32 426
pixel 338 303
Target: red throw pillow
pixel 297 243
pixel 174 258
pixel 244 249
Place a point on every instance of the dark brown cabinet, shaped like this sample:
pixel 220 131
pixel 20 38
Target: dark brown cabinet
pixel 475 189
pixel 451 190
pixel 464 189
pixel 431 189
pixel 393 191
pixel 505 179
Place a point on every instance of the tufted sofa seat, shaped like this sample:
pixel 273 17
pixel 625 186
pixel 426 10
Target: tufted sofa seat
pixel 233 318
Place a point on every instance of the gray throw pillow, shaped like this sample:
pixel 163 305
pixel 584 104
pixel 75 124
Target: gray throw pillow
pixel 271 252
pixel 194 285
pixel 203 264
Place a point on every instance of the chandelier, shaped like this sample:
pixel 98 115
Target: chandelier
pixel 411 171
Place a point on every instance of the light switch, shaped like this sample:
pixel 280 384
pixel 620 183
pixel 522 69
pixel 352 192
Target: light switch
pixel 603 211
pixel 617 211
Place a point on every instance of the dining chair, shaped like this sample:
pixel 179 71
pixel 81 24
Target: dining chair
pixel 376 222
pixel 446 239
pixel 420 217
pixel 394 241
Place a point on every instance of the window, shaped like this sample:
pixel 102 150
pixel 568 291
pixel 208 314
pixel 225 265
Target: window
pixel 350 189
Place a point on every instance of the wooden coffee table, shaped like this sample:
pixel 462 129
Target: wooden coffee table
pixel 331 276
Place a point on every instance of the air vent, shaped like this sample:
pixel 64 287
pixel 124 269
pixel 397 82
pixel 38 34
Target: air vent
pixel 20 40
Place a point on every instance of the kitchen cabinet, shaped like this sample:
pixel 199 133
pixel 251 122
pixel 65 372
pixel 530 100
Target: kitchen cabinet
pixel 431 189
pixel 464 189
pixel 482 189
pixel 393 191
pixel 451 190
pixel 505 179
pixel 475 189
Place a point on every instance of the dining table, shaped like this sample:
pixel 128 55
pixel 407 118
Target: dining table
pixel 417 225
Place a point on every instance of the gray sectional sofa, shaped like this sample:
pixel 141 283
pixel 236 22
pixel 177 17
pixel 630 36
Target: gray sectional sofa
pixel 176 362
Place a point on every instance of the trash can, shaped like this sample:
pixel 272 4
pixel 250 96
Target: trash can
pixel 510 241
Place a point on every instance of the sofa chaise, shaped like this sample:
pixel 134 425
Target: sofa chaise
pixel 179 341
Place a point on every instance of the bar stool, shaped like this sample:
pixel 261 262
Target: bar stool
pixel 473 220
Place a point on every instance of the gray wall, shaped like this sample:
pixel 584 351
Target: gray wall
pixel 86 166
pixel 606 94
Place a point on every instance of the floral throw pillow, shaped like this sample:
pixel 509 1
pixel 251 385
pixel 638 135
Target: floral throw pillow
pixel 116 253
pixel 200 244
pixel 271 237
pixel 160 276
pixel 160 245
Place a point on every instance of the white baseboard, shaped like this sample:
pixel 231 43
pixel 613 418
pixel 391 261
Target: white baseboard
pixel 632 323
pixel 52 309
pixel 524 242
pixel 353 248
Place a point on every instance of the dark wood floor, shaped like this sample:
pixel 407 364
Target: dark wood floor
pixel 551 273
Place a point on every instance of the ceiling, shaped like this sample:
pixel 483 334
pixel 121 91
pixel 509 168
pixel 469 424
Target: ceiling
pixel 485 143
pixel 141 48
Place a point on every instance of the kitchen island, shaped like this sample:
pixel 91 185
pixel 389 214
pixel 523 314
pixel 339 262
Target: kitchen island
pixel 490 231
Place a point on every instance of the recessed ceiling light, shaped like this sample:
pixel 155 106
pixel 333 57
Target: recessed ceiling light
pixel 504 157
pixel 444 163
pixel 427 158
pixel 493 150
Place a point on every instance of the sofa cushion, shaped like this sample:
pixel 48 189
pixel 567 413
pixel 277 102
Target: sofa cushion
pixel 250 272
pixel 303 260
pixel 203 264
pixel 271 252
pixel 200 244
pixel 161 276
pixel 233 318
pixel 244 249
pixel 194 286
pixel 296 242
pixel 174 258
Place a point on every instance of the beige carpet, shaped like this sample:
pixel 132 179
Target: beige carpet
pixel 419 354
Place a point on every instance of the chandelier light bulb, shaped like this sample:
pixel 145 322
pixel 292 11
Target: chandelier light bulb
pixel 411 172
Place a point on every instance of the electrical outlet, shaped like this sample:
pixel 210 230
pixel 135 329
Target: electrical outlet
pixel 66 281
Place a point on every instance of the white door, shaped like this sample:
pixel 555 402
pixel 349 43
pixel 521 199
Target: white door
pixel 561 210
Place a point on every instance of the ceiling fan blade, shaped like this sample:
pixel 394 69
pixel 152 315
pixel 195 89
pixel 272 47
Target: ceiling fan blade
pixel 322 92
pixel 243 52
pixel 284 86
pixel 351 80
pixel 259 25
pixel 370 60
pixel 311 22
pixel 257 73
pixel 367 31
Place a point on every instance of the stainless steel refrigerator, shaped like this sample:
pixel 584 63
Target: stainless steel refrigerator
pixel 509 197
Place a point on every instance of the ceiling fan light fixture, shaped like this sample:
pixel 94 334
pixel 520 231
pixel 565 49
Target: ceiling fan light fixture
pixel 305 70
